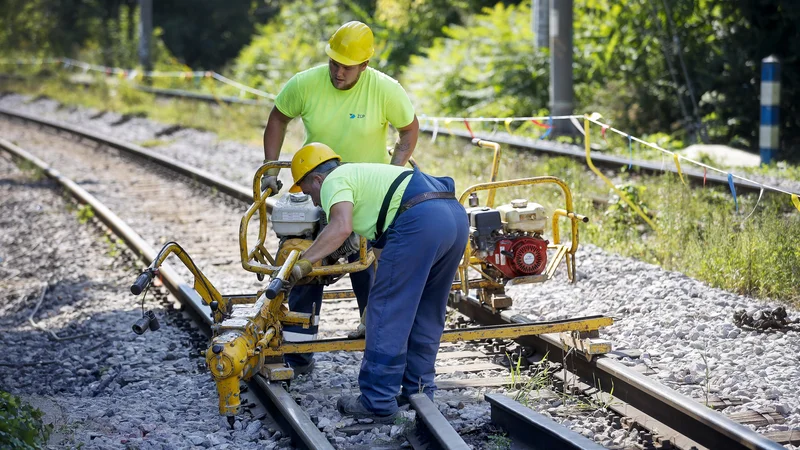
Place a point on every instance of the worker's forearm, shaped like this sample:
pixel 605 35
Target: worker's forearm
pixel 405 146
pixel 331 238
pixel 273 139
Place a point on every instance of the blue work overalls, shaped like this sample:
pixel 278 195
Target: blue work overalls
pixel 407 304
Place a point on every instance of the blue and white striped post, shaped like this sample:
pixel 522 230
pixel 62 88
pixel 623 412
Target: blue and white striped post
pixel 770 108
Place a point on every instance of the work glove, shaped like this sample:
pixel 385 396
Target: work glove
pixel 270 180
pixel 300 270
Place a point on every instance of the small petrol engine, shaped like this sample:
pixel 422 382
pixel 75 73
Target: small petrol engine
pixel 297 222
pixel 509 238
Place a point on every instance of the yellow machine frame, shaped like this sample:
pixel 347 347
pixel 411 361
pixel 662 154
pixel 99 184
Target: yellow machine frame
pixel 248 329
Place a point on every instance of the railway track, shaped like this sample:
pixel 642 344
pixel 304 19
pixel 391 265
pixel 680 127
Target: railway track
pixel 707 428
pixel 521 143
pixel 122 185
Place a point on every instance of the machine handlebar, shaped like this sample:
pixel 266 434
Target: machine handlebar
pixel 275 286
pixel 142 281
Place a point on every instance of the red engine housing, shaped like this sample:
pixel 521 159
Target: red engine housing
pixel 520 256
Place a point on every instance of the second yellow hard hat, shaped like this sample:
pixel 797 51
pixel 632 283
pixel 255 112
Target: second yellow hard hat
pixel 307 158
pixel 351 44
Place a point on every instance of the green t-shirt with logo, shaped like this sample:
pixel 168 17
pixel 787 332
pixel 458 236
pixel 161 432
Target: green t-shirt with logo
pixel 353 122
pixel 364 185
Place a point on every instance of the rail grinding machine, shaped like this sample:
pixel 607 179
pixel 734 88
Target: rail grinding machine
pixel 507 246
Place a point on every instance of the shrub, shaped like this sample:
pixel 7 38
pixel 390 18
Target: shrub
pixel 21 425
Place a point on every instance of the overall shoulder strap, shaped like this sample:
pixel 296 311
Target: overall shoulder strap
pixel 387 200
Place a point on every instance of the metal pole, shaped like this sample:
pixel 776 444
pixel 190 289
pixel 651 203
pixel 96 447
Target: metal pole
pixel 540 21
pixel 768 140
pixel 145 33
pixel 561 92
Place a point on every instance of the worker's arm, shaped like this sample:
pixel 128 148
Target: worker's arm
pixel 406 143
pixel 274 134
pixel 340 225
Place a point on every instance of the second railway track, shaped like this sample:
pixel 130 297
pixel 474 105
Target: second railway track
pixel 206 264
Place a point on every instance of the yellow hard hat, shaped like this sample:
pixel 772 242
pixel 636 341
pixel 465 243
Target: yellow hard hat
pixel 307 158
pixel 351 44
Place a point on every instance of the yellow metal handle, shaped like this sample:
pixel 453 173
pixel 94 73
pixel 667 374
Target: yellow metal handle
pixel 495 165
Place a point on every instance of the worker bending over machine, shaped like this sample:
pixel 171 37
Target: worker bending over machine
pixel 420 230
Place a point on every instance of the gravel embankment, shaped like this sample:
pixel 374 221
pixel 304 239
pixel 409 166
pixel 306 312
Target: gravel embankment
pixel 101 385
pixel 682 326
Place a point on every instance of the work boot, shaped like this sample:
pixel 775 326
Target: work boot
pixel 351 406
pixel 303 369
pixel 360 332
pixel 402 400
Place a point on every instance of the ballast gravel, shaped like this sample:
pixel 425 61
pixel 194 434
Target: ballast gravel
pixel 682 329
pixel 68 345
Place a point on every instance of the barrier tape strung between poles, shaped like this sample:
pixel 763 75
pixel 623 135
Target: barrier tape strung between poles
pixel 544 122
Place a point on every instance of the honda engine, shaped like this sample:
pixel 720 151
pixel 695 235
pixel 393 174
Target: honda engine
pixel 509 238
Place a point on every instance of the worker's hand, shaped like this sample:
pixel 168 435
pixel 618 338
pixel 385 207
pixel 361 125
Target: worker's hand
pixel 300 270
pixel 270 180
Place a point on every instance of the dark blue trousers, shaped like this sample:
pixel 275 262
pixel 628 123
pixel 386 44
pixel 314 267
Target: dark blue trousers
pixel 303 298
pixel 406 311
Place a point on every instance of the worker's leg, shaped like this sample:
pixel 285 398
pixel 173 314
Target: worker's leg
pixel 302 299
pixel 361 282
pixel 423 342
pixel 412 247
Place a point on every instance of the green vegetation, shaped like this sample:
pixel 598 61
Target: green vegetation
pixel 85 213
pixel 699 231
pixel 34 172
pixel 237 122
pixel 499 442
pixel 524 385
pixel 21 425
pixel 115 247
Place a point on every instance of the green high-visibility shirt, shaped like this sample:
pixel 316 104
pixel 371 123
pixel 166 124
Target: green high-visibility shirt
pixel 364 185
pixel 353 122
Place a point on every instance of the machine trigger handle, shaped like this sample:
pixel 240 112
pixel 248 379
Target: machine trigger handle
pixel 275 286
pixel 142 281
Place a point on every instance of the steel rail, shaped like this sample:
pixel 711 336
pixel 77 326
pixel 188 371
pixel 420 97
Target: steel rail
pixel 533 430
pixel 681 413
pixel 433 426
pixel 230 188
pixel 280 404
pixel 600 160
pixel 179 93
pixel 551 148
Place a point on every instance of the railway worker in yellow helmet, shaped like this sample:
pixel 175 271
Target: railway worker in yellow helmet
pixel 347 106
pixel 422 230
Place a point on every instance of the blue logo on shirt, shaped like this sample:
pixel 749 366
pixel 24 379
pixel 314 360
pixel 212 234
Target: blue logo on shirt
pixel 357 116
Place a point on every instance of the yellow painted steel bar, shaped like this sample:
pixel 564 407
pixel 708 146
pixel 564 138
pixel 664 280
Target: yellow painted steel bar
pixel 202 284
pixel 594 169
pixel 495 165
pixel 493 332
pixel 341 294
pixel 572 216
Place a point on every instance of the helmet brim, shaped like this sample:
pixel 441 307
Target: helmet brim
pixel 341 59
pixel 295 189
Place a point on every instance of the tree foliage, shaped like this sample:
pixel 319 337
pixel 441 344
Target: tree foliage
pixel 206 34
pixel 484 68
pixel 687 67
pixel 690 68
